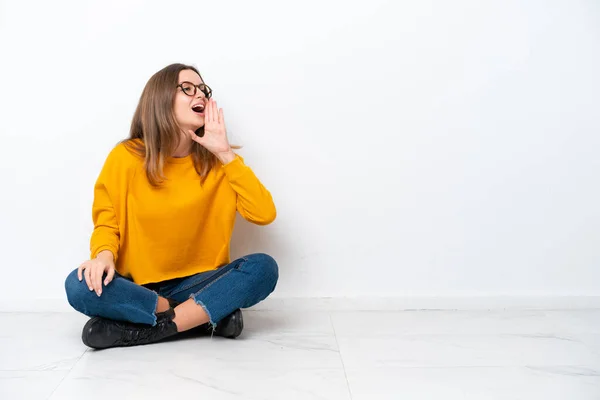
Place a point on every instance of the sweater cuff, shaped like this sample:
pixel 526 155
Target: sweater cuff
pixel 235 168
pixel 102 248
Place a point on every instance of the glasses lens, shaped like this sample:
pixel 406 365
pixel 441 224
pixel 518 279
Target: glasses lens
pixel 206 90
pixel 188 88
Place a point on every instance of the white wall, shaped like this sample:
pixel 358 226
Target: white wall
pixel 412 148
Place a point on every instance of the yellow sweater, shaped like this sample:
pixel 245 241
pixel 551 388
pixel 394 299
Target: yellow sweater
pixel 179 229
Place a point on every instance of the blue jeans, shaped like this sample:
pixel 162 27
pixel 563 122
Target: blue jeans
pixel 239 284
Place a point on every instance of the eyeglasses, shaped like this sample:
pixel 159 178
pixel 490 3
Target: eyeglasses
pixel 190 89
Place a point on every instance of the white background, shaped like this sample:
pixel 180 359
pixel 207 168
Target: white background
pixel 413 148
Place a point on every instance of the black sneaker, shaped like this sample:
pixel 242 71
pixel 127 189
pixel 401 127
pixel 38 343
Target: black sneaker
pixel 230 327
pixel 172 303
pixel 102 333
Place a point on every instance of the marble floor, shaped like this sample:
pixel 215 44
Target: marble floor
pixel 319 355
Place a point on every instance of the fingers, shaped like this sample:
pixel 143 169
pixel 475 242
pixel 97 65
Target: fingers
pixel 208 112
pixel 212 113
pixel 97 280
pixel 93 271
pixel 92 275
pixel 109 276
pixel 215 111
pixel 88 278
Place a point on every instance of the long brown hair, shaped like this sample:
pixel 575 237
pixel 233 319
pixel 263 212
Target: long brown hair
pixel 155 133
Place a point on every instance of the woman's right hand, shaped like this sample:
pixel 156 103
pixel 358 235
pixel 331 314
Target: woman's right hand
pixel 94 269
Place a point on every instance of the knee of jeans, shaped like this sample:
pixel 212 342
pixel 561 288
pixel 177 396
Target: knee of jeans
pixel 77 291
pixel 267 268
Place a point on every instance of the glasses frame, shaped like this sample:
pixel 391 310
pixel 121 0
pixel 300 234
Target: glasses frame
pixel 207 93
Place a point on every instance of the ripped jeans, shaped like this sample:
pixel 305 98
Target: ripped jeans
pixel 239 284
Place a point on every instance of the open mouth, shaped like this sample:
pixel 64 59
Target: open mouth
pixel 199 109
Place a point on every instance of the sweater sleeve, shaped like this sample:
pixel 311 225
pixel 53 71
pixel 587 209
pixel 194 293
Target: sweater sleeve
pixel 108 191
pixel 254 202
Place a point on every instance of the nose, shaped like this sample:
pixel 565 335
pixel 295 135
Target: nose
pixel 199 93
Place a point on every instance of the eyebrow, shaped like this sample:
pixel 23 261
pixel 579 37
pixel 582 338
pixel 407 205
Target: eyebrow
pixel 192 83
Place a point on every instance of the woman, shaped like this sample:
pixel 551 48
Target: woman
pixel 164 209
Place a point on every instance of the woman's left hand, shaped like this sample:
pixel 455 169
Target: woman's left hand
pixel 215 133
